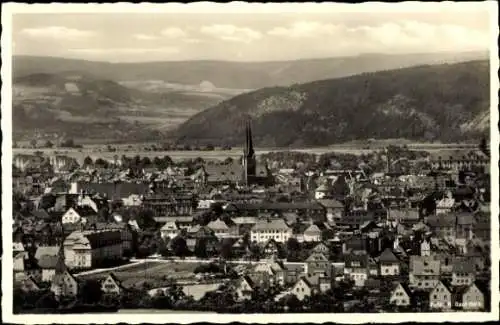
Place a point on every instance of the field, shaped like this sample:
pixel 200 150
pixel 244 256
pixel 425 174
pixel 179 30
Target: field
pixel 99 151
pixel 153 272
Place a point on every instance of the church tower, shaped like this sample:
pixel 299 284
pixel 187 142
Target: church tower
pixel 249 162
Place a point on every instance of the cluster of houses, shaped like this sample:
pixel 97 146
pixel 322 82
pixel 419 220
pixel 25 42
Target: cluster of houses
pixel 427 235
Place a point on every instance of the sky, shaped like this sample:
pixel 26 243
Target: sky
pixel 270 35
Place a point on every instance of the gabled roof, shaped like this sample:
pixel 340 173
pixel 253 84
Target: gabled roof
pixel 312 229
pixel 115 279
pixel 316 256
pixel 248 280
pixel 331 203
pixel 388 256
pixel 306 281
pixel 463 266
pixel 274 224
pixel 48 262
pixel 217 225
pixel 424 265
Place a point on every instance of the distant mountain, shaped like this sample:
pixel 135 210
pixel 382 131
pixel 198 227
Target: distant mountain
pixel 83 107
pixel 237 75
pixel 447 102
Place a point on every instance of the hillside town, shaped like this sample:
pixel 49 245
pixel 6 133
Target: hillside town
pixel 393 230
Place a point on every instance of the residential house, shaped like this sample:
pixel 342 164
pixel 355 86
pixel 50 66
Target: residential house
pixel 321 248
pixel 303 288
pixel 424 272
pixel 472 298
pixel 25 267
pixel 275 229
pixel 111 285
pixel 334 210
pixel 312 234
pixel 133 200
pixel 111 190
pixel 356 267
pixel 29 284
pixel 95 202
pixel 125 230
pixel 164 205
pixel 318 263
pixel 446 204
pixel 245 288
pixel 271 249
pixel 77 215
pixel 440 297
pixel 64 202
pixel 400 295
pixel 169 230
pixel 444 225
pixel 47 264
pixel 463 273
pixel 458 159
pixel 220 229
pixel 425 248
pixel 63 284
pixel 389 263
pixel 88 249
pixel 269 274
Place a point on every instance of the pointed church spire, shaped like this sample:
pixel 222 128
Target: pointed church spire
pixel 249 151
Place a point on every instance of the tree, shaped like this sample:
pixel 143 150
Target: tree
pixel 228 161
pixel 292 249
pixel 68 143
pixel 179 246
pixel 483 146
pixel 48 144
pixel 200 248
pixel 146 161
pixel 104 214
pixel 33 143
pixel 226 248
pixel 47 201
pixel 101 163
pixel 90 291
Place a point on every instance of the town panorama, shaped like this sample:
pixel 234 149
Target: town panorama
pixel 233 187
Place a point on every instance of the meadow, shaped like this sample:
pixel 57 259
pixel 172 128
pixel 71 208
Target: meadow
pixel 152 272
pixel 130 150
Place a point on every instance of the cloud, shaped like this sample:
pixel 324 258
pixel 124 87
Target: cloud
pixel 305 29
pixel 396 36
pixel 173 32
pixel 145 37
pixel 57 32
pixel 231 33
pixel 192 40
pixel 124 51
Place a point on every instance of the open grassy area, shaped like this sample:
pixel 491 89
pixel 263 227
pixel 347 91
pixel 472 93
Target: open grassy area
pixel 152 272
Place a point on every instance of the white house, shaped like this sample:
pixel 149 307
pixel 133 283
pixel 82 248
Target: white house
pixel 400 296
pixel 389 263
pixel 445 204
pixel 302 289
pixel 78 215
pixel 472 298
pixel 312 234
pixel 170 230
pixel 425 248
pixel 275 229
pixel 111 285
pixel 220 229
pixel 88 249
pixel 440 297
pixel 425 272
